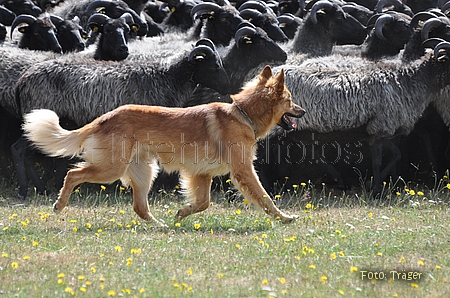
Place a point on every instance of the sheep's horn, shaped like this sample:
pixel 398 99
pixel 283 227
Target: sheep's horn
pixel 286 18
pixel 244 24
pixel 98 18
pixel 419 18
pixel 243 32
pixel 197 51
pixel 99 3
pixel 201 8
pixel 56 20
pixel 428 26
pixel 206 42
pixel 325 5
pixel 383 3
pixel 250 14
pixel 253 5
pixel 23 18
pixel 432 42
pixel 380 23
pixel 445 7
pixel 445 45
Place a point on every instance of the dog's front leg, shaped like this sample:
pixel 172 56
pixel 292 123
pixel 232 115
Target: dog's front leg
pixel 247 182
pixel 198 188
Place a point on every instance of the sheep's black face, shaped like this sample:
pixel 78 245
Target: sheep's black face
pixel 345 29
pixel 210 72
pixel 113 44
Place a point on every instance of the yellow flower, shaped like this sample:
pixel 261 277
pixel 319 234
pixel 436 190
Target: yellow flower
pixel 341 292
pixel 312 266
pixel 178 224
pixel 197 226
pixel 294 186
pixel 238 211
pixel 402 260
pixel 353 269
pixel 73 220
pixel 61 275
pixel 103 187
pixel 414 285
pixel 88 225
pixel 264 236
pixel 277 196
pixel 308 206
pixel 438 267
pixel 370 214
pixel 282 280
pixel 83 289
pixel 341 253
pixel 93 269
pixel 118 248
pixel 189 272
pixel 60 281
pixel 421 263
pixel 219 275
pixel 238 246
pixel 75 229
pixel 448 185
pixel 142 290
pixel 112 293
pixel 412 192
pixel 122 212
pixel 228 181
pixel 26 257
pixel 246 202
pixel 303 184
pixel 333 256
pixel 4 255
pixel 323 278
pixel 379 253
pixel 81 277
pixel 265 282
pixel 14 265
pixel 420 193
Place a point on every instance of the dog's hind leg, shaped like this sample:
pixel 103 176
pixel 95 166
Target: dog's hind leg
pixel 198 190
pixel 86 173
pixel 246 180
pixel 140 176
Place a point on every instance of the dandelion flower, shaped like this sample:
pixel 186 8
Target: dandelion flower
pixel 282 280
pixel 333 256
pixel 341 253
pixel 83 289
pixel 412 192
pixel 438 267
pixel 323 278
pixel 246 202
pixel 303 184
pixel 219 275
pixel 142 290
pixel 420 193
pixel 118 248
pixel 61 275
pixel 112 293
pixel 238 246
pixel 14 265
pixel 308 206
pixel 4 255
pixel 103 187
pixel 277 197
pixel 341 292
pixel 353 269
pixel 197 226
pixel 26 257
pixel 122 212
pixel 414 285
pixel 421 263
pixel 402 260
pixel 81 277
pixel 238 211
pixel 189 272
pixel 312 266
pixel 265 282
pixel 379 253
pixel 370 215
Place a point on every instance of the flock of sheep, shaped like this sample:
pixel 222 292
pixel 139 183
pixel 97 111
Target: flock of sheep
pixel 370 74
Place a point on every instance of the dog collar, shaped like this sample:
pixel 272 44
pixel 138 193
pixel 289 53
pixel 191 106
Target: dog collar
pixel 246 116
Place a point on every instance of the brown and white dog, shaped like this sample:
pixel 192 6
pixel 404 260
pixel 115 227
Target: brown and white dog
pixel 200 142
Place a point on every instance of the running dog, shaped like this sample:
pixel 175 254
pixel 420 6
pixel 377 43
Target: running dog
pixel 131 142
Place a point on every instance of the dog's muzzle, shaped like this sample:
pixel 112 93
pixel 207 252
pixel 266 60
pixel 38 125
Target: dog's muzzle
pixel 289 124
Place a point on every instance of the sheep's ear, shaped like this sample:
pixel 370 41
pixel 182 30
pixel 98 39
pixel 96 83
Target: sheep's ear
pixel 265 74
pixel 22 29
pixel 95 27
pixel 134 27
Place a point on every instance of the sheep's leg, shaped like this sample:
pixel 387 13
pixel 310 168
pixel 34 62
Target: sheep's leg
pixel 18 154
pixel 376 150
pixel 246 180
pixel 198 189
pixel 141 176
pixel 379 174
pixel 425 136
pixel 29 164
pixel 395 158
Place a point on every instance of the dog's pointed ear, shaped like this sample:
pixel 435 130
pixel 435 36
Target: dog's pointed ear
pixel 265 74
pixel 280 81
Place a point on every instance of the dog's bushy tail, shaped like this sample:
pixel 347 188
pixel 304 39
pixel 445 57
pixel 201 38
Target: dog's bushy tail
pixel 42 128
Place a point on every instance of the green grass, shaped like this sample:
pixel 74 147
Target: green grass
pixel 98 247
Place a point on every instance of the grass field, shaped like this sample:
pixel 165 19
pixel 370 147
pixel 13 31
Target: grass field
pixel 342 245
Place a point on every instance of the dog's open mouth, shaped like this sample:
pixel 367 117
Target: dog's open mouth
pixel 287 123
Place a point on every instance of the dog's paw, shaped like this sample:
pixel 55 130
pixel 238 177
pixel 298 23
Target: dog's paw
pixel 287 218
pixel 55 209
